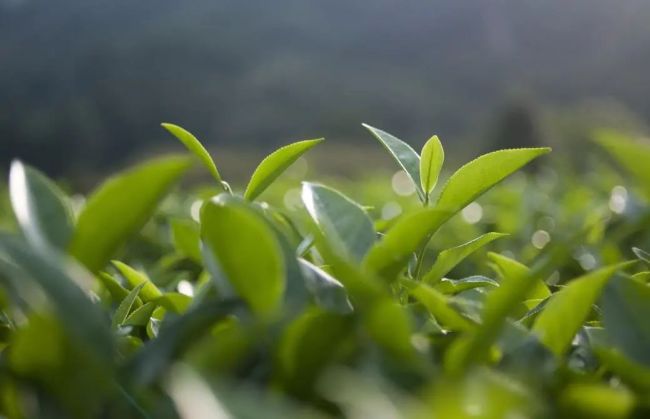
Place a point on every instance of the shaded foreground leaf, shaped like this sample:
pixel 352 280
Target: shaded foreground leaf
pixel 247 252
pixel 344 223
pixel 40 206
pixel 567 310
pixel 120 207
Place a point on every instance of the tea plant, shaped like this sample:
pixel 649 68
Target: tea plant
pixel 133 304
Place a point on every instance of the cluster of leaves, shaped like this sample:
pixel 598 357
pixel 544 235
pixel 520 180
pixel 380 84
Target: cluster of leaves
pixel 237 308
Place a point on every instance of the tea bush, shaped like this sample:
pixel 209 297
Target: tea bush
pixel 148 303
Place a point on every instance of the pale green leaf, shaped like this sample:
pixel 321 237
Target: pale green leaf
pixel 141 315
pixel 431 161
pixel 134 278
pixel 455 286
pixel 125 306
pixel 478 176
pixel 450 258
pixel 120 207
pixel 247 252
pixel 568 309
pixel 195 147
pixel 274 165
pixel 437 304
pixel 511 270
pixel 390 255
pixel 633 156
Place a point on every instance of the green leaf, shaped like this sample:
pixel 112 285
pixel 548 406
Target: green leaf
pixel 141 315
pixel 308 345
pixel 455 286
pixel 388 257
pixel 61 284
pixel 568 309
pixel 632 373
pixel 450 258
pixel 626 309
pixel 510 269
pixel 125 306
pixel 404 155
pixel 117 291
pixel 389 325
pixel 431 160
pixel 498 305
pixel 391 254
pixel 120 207
pixel 41 208
pixel 478 176
pixel 247 252
pixel 642 254
pixel 274 165
pixel 134 278
pixel 175 338
pixel 175 302
pixel 344 223
pixel 437 304
pixel 186 236
pixel 632 156
pixel 327 291
pixel 195 147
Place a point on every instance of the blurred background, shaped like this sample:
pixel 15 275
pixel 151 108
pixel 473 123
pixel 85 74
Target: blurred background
pixel 84 84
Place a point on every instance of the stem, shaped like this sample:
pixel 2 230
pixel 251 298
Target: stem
pixel 423 249
pixel 420 257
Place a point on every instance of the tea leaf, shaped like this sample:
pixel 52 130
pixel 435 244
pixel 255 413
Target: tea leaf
pixel 478 176
pixel 150 292
pixel 431 160
pixel 344 223
pixel 120 207
pixel 124 308
pixel 195 147
pixel 41 208
pixel 450 258
pixel 568 309
pixel 247 252
pixel 403 154
pixel 274 165
pixel 626 309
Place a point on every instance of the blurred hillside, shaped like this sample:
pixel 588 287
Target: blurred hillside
pixel 85 84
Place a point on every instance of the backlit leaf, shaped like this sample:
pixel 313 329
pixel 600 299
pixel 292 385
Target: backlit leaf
pixel 274 165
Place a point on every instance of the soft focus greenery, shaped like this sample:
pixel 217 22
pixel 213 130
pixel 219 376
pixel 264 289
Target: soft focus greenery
pixel 490 293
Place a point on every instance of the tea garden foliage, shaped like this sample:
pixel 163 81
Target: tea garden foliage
pixel 141 301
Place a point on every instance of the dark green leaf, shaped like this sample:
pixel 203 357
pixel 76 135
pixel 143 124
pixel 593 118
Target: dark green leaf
pixel 403 154
pixel 344 223
pixel 41 208
pixel 626 309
